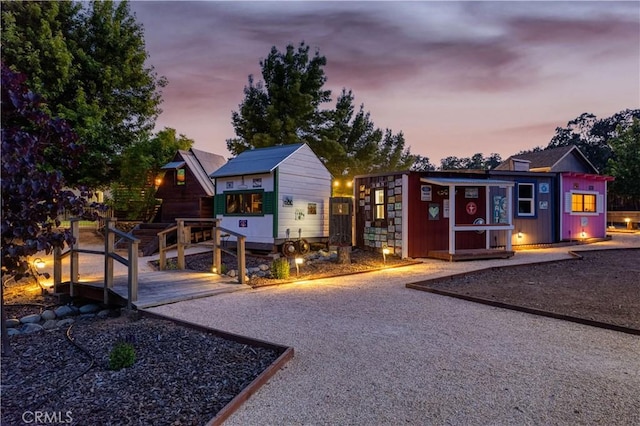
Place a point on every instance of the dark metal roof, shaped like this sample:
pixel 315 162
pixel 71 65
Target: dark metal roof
pixel 256 161
pixel 466 182
pixel 173 165
pixel 201 164
pixel 547 159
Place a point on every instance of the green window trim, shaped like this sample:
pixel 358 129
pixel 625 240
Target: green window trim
pixel 267 201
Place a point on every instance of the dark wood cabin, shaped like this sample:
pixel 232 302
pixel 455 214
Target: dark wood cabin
pixel 186 189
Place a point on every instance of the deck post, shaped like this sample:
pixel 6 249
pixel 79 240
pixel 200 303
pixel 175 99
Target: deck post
pixel 57 269
pixel 132 281
pixel 74 264
pixel 510 216
pixel 452 220
pixel 181 243
pixel 162 247
pixel 217 254
pixel 241 259
pixel 109 243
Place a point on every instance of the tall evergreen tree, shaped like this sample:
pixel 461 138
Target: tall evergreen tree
pixel 287 107
pixel 87 60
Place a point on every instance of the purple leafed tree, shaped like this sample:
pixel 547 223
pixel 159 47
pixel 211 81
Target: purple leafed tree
pixel 33 194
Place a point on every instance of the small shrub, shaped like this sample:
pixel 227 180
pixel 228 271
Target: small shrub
pixel 280 268
pixel 122 355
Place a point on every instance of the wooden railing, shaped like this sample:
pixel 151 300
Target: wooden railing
pixel 109 256
pixel 185 236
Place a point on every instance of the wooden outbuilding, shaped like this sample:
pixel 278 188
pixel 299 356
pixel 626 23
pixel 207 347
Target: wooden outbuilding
pixel 186 189
pixel 560 196
pixel 431 214
pixel 530 199
pixel 274 196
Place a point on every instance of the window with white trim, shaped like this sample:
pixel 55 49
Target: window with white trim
pixel 378 200
pixel 526 199
pixel 583 202
pixel 589 203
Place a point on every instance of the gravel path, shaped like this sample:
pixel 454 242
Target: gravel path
pixel 369 351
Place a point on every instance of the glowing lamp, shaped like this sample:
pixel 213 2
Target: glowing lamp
pixel 39 263
pixel 298 261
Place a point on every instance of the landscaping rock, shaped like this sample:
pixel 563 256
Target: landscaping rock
pixel 264 267
pixel 48 315
pixel 65 322
pixel 50 324
pixel 89 308
pixel 30 319
pixel 13 331
pixel 105 313
pixel 63 311
pixel 12 323
pixel 30 328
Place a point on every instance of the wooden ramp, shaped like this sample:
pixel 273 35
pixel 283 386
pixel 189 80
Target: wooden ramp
pixel 472 254
pixel 163 287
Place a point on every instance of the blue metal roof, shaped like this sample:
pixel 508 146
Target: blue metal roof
pixel 255 161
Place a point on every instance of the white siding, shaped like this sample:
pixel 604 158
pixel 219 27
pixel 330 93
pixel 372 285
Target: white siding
pixel 303 177
pixel 259 228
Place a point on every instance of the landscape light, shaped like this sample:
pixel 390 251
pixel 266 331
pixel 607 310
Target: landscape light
pixel 385 252
pixel 298 261
pixel 39 263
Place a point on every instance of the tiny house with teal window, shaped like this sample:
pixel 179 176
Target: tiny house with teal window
pixel 274 195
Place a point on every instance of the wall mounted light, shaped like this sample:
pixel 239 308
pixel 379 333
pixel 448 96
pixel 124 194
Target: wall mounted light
pixel 519 234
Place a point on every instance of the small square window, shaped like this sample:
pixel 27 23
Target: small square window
pixel 526 199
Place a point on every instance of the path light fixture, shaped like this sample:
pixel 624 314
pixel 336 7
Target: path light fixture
pixel 385 252
pixel 583 234
pixel 299 261
pixel 519 234
pixel 39 263
pixel 627 220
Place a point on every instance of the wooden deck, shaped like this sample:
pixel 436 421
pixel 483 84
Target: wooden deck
pixel 473 254
pixel 164 287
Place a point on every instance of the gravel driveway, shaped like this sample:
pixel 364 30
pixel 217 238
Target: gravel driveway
pixel 369 351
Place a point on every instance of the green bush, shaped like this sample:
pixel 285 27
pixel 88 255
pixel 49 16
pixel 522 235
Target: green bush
pixel 280 268
pixel 122 355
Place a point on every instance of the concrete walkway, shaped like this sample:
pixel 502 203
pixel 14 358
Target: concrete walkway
pixel 369 351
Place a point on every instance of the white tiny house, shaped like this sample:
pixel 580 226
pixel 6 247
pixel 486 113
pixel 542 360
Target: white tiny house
pixel 274 195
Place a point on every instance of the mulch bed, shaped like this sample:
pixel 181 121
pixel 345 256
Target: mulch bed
pixel 181 376
pixel 600 286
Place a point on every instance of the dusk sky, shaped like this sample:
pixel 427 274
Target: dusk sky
pixel 457 78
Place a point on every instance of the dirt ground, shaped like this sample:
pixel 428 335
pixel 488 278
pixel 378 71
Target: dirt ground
pixel 601 286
